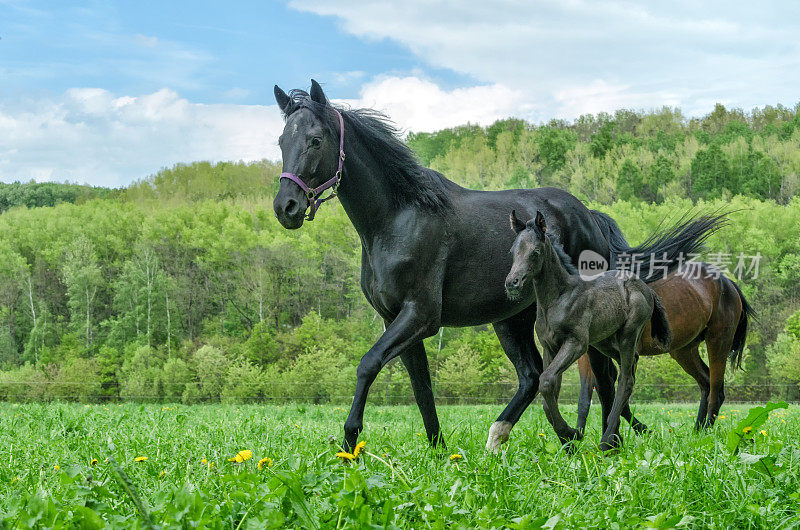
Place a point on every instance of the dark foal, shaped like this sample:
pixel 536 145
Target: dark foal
pixel 433 253
pixel 702 305
pixel 609 313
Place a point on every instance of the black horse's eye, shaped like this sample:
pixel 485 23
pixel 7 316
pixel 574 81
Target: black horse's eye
pixel 315 142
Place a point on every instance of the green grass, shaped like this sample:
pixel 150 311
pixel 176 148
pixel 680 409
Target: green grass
pixel 670 477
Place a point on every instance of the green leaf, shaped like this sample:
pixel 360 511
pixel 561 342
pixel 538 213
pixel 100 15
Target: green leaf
pixel 755 419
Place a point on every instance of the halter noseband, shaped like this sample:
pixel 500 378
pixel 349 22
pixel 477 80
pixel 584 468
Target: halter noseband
pixel 313 194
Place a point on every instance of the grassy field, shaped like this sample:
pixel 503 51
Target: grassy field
pixel 671 477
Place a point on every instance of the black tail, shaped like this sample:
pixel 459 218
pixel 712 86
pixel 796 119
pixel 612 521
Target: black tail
pixel 739 337
pixel 667 246
pixel 659 325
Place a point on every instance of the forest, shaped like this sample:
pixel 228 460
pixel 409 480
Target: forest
pixel 184 287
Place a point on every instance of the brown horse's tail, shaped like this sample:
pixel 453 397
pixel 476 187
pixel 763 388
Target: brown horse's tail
pixel 659 325
pixel 737 347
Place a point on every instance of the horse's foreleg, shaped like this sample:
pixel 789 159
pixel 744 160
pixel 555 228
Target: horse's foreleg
pixel 550 383
pixel 587 389
pixel 409 327
pixel 516 337
pixel 416 362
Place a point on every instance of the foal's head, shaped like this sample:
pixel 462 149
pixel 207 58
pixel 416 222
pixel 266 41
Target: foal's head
pixel 309 148
pixel 528 251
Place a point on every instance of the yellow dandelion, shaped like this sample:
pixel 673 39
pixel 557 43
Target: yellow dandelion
pixel 721 417
pixel 16 479
pixel 419 434
pixel 455 457
pixel 93 462
pixel 747 429
pixel 140 459
pixel 763 432
pixel 344 455
pixel 242 456
pixel 203 461
pixel 56 467
pixel 541 434
pixel 163 472
pixel 359 447
pixel 264 462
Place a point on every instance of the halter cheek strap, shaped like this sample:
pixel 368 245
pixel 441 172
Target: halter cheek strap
pixel 314 194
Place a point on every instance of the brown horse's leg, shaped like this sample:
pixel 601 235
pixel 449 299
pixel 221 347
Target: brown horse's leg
pixel 587 388
pixel 719 339
pixel 717 359
pixel 692 364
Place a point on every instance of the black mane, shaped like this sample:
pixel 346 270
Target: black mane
pixel 410 182
pixel 562 255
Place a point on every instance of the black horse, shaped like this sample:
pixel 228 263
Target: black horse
pixel 433 253
pixel 608 312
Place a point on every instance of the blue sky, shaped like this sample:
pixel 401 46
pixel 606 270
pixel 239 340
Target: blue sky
pixel 109 92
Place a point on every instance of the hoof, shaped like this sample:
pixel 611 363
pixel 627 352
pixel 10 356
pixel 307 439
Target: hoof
pixel 498 435
pixel 641 428
pixel 572 435
pixel 611 445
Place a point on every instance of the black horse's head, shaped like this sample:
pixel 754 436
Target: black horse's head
pixel 528 251
pixel 309 148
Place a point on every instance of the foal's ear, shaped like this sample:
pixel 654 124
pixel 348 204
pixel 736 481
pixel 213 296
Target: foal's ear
pixel 317 94
pixel 539 221
pixel 516 225
pixel 282 99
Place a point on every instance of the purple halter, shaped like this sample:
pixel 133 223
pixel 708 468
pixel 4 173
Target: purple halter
pixel 313 194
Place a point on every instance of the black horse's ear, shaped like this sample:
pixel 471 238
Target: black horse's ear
pixel 516 225
pixel 540 224
pixel 282 98
pixel 317 94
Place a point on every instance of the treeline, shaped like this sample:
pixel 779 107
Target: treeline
pixel 628 155
pixel 38 194
pixel 184 286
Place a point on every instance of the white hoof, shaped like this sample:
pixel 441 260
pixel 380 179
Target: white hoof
pixel 498 435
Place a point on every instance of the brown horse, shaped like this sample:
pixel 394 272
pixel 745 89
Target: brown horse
pixel 702 305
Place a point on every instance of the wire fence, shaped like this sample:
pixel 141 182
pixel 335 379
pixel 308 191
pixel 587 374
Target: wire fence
pixel 381 392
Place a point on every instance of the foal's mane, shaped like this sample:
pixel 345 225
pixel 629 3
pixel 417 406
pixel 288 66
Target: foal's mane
pixel 566 261
pixel 408 181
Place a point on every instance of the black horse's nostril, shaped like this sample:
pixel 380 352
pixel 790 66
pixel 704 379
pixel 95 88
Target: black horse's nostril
pixel 515 282
pixel 291 207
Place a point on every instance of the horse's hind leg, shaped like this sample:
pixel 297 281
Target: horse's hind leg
pixel 637 426
pixel 718 349
pixel 516 338
pixel 550 383
pixel 691 362
pixel 627 367
pixel 605 378
pixel 587 388
pixel 416 362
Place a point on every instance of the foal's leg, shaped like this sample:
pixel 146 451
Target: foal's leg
pixel 605 379
pixel 516 338
pixel 691 362
pixel 550 381
pixel 409 328
pixel 587 388
pixel 627 360
pixel 416 362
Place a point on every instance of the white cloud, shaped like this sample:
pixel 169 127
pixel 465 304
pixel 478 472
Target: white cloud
pixel 419 105
pixel 90 135
pixel 568 57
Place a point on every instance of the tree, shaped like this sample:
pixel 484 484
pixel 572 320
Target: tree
pixel 83 278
